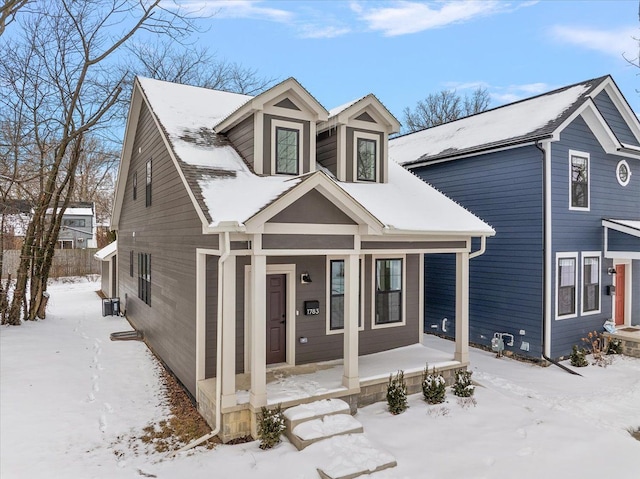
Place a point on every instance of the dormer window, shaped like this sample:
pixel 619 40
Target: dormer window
pixel 287 153
pixel 367 156
pixel 366 159
pixel 286 147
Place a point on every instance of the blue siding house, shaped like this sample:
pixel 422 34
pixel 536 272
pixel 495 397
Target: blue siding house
pixel 558 178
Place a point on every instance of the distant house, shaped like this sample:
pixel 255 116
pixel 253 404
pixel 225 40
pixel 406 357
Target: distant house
pixel 15 217
pixel 78 227
pixel 263 231
pixel 558 177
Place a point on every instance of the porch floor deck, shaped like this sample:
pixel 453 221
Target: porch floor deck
pixel 286 384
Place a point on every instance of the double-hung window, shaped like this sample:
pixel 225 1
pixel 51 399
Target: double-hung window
pixel 566 285
pixel 388 291
pixel 336 298
pixel 144 277
pixel 579 180
pixel 287 151
pixel 591 282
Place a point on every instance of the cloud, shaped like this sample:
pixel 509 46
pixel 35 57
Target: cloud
pixel 237 9
pixel 406 17
pixel 610 42
pixel 508 94
pixel 315 31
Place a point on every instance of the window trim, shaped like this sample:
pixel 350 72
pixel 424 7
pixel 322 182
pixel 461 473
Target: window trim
pixel 618 166
pixel 374 264
pixel 330 331
pixel 574 256
pixel 362 135
pixel 289 125
pixel 586 156
pixel 585 255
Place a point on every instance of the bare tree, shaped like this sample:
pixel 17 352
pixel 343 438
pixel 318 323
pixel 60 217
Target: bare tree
pixel 195 66
pixel 8 12
pixel 634 60
pixel 443 107
pixel 59 87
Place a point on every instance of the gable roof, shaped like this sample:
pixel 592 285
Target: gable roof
pixel 342 113
pixel 107 252
pixel 533 119
pixel 227 195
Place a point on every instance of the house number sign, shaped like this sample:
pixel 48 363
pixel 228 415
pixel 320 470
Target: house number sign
pixel 311 308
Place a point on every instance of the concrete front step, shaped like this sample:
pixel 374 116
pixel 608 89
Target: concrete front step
pixel 347 457
pixel 314 410
pixel 315 430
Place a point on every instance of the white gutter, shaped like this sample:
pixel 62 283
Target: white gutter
pixel 483 247
pixel 225 250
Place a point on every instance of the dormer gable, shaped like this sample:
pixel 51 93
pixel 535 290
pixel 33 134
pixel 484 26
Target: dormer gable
pixel 276 130
pixel 353 142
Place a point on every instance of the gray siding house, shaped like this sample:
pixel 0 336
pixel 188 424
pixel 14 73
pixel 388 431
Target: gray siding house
pixel 256 232
pixel 558 177
pixel 78 227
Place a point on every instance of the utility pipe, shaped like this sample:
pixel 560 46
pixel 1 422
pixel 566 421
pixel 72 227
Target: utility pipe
pixel 226 249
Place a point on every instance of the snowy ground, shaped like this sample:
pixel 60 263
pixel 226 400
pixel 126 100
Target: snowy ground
pixel 68 395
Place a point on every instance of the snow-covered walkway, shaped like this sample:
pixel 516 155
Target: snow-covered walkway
pixel 68 397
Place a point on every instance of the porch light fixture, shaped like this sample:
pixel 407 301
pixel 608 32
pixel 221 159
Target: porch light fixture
pixel 611 271
pixel 305 278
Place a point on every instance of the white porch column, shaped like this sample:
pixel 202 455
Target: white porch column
pixel 462 307
pixel 228 398
pixel 350 377
pixel 258 394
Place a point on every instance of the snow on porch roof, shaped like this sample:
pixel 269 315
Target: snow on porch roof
pixel 106 252
pixel 516 122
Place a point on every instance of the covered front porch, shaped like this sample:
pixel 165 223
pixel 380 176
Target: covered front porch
pixel 292 385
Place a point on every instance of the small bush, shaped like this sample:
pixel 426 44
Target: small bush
pixel 433 386
pixel 397 393
pixel 614 347
pixel 462 387
pixel 270 427
pixel 578 357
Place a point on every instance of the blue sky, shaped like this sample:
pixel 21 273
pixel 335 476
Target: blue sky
pixel 403 50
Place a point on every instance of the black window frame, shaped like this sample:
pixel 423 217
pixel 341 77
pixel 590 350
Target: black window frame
pixel 383 297
pixel 579 181
pixel 359 167
pixel 333 296
pixel 568 290
pixel 131 263
pixel 147 197
pixel 135 185
pixel 144 277
pixel 590 291
pixel 277 150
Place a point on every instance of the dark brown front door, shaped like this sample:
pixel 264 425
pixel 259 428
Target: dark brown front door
pixel 276 318
pixel 620 284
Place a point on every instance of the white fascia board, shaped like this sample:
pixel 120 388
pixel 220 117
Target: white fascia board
pixel 371 105
pixel 127 150
pixel 321 182
pixel 622 228
pixel 431 234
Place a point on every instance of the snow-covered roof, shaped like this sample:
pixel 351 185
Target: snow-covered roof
pixel 229 193
pixel 74 211
pixel 107 252
pixel 526 120
pixel 16 224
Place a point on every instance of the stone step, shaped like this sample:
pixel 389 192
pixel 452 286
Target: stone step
pixel 314 410
pixel 347 457
pixel 308 432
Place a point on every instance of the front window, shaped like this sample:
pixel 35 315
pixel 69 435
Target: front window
pixel 566 286
pixel 623 173
pixel 579 181
pixel 591 284
pixel 336 319
pixel 287 151
pixel 366 159
pixel 388 291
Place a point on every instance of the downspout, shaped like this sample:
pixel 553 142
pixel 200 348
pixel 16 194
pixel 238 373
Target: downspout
pixel 483 248
pixel 225 250
pixel 546 270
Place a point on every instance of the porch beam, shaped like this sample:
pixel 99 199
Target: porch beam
pixel 350 377
pixel 228 398
pixel 258 393
pixel 462 308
